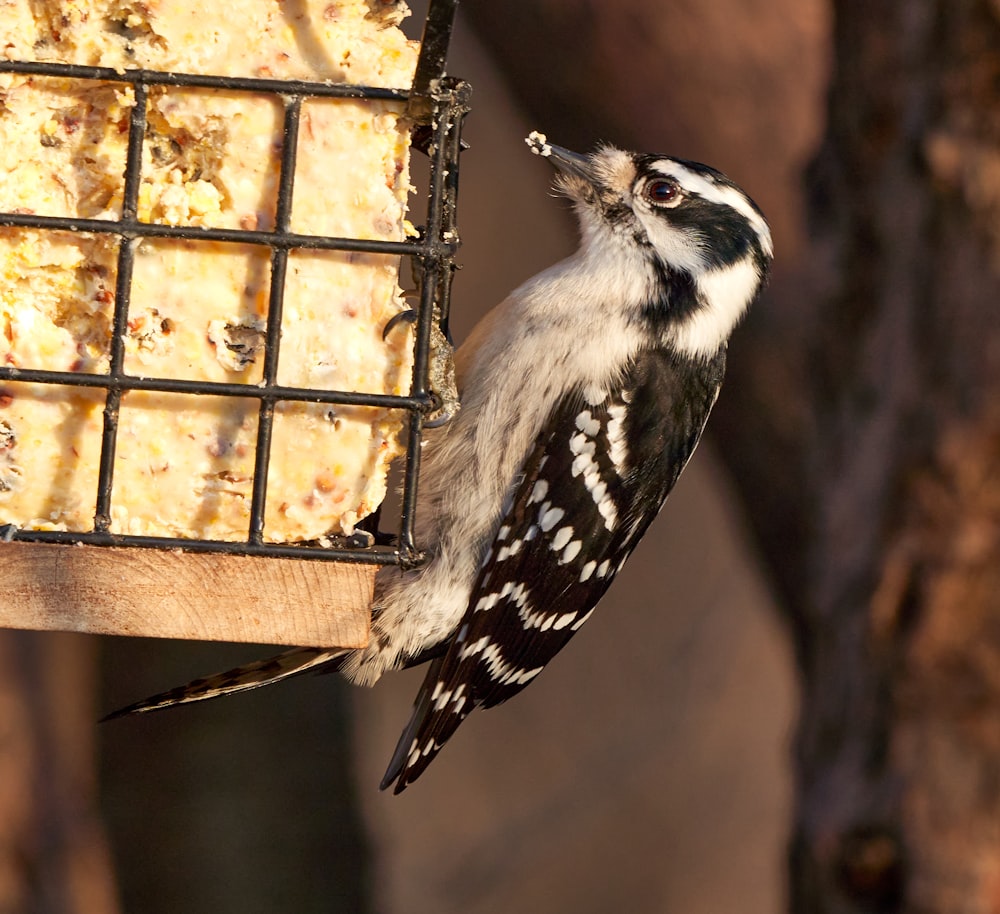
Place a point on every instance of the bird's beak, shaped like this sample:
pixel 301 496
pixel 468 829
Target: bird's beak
pixel 571 163
pixel 566 161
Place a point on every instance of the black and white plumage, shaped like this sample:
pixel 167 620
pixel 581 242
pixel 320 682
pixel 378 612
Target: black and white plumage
pixel 583 396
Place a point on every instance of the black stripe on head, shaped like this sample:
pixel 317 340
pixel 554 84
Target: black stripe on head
pixel 726 237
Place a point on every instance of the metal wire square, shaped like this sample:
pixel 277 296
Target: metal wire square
pixel 436 104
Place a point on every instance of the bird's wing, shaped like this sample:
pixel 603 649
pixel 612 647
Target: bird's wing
pixel 594 480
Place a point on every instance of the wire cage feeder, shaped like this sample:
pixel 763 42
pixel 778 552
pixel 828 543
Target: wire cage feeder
pixel 317 592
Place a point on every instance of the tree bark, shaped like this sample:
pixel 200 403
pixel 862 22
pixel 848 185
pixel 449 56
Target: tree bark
pixel 246 804
pixel 899 750
pixel 53 855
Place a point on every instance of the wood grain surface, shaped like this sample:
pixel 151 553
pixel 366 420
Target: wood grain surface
pixel 206 597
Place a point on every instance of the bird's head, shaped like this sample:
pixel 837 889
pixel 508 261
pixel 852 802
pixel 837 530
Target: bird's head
pixel 702 244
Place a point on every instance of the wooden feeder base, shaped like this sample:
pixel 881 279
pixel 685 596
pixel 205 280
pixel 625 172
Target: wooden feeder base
pixel 197 596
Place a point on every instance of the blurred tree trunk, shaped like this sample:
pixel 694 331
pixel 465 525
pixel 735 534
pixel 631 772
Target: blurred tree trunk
pixel 53 856
pixel 899 748
pixel 861 418
pixel 249 807
pixel 246 804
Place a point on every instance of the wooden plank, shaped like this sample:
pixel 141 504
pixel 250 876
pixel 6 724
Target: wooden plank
pixel 198 596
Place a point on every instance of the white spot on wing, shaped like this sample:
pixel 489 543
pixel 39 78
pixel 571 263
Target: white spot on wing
pixel 571 552
pixel 587 423
pixel 608 511
pixel 616 438
pixel 542 621
pixel 562 538
pixel 477 647
pixel 579 622
pixel 548 517
pixel 580 464
pixel 487 603
pixel 526 676
pixel 582 446
pixel 505 673
pixel 538 492
pixel 563 620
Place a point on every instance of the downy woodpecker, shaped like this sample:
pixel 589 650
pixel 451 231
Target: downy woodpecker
pixel 583 395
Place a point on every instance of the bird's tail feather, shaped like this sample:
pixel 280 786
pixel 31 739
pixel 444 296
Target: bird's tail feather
pixel 240 679
pixel 400 761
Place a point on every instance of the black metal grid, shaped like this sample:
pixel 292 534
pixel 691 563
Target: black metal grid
pixel 437 105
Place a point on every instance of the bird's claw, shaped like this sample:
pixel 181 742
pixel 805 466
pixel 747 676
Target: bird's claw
pixel 408 316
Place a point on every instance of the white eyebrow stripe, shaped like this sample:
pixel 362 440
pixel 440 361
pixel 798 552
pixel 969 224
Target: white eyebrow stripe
pixel 723 194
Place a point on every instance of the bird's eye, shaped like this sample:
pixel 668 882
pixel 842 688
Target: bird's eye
pixel 663 192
